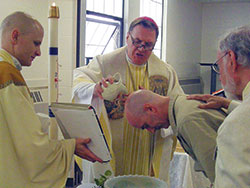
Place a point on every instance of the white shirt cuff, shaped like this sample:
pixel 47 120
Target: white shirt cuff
pixel 166 132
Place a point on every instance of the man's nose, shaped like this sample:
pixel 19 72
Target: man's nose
pixel 38 52
pixel 142 47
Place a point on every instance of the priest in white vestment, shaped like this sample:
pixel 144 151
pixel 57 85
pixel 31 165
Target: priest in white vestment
pixel 134 151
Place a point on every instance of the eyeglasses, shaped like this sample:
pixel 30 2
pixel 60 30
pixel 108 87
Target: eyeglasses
pixel 148 46
pixel 215 65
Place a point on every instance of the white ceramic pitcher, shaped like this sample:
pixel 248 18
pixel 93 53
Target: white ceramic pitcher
pixel 113 90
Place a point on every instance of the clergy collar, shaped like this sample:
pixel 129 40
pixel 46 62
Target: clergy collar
pixel 246 91
pixel 15 61
pixel 131 62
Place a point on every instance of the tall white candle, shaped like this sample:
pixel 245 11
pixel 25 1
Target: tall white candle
pixel 53 65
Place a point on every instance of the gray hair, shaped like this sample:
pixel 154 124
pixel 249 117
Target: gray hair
pixel 24 22
pixel 238 40
pixel 146 22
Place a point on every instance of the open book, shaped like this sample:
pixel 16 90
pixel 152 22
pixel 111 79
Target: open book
pixel 81 121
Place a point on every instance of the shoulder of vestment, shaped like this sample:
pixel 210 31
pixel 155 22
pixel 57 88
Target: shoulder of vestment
pixel 10 74
pixel 116 57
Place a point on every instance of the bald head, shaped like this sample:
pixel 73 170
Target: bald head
pixel 21 21
pixel 136 100
pixel 143 106
pixel 24 22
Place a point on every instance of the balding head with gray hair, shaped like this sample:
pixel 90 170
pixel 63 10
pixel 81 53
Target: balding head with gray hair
pixel 238 40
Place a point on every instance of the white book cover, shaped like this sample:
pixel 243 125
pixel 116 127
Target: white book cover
pixel 81 121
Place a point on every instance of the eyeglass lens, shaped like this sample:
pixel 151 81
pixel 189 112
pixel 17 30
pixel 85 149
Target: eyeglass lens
pixel 138 44
pixel 215 65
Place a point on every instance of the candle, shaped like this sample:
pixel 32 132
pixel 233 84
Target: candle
pixel 53 66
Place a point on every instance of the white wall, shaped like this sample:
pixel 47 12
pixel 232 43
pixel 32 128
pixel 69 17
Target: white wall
pixel 66 40
pixel 217 18
pixel 193 30
pixel 184 23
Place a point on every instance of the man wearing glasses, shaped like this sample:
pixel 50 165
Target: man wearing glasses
pixel 233 141
pixel 134 151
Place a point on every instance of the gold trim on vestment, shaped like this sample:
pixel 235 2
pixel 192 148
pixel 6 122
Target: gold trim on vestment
pixel 158 84
pixel 6 78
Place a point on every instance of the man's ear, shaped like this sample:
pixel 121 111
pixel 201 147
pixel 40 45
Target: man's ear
pixel 14 36
pixel 233 64
pixel 149 108
pixel 127 37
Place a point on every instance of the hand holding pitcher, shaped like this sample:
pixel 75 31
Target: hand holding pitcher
pixel 110 87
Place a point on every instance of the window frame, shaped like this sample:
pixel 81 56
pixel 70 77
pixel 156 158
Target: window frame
pixel 81 20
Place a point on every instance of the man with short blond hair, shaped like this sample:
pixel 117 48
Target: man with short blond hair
pixel 28 158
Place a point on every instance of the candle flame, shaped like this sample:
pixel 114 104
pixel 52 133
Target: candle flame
pixel 53 11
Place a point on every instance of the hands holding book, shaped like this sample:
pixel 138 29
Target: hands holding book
pixel 80 121
pixel 81 150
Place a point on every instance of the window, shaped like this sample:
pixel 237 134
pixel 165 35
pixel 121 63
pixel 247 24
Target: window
pixel 153 9
pixel 102 26
pixel 103 34
pixel 109 7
